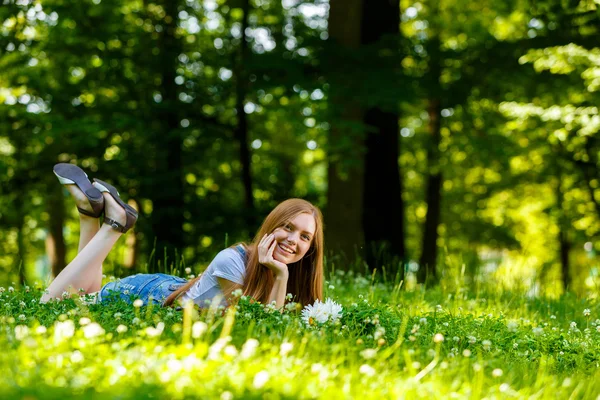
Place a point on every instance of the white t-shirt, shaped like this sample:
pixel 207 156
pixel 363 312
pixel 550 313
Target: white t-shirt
pixel 229 264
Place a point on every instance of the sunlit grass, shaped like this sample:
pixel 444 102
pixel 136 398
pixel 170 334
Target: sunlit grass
pixel 389 343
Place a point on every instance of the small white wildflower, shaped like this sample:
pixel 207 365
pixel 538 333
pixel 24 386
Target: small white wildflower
pixel 230 351
pixel 285 348
pixel 188 270
pixel 22 317
pixel 466 353
pixel 515 345
pixel 598 328
pixel 22 304
pixel 512 326
pixel 237 292
pixel 260 379
pixel 117 315
pixel 92 330
pixel 331 287
pixel 135 321
pixel 76 357
pixel 438 338
pixel 198 329
pixel 63 330
pixel 249 348
pixel 11 289
pixel 2 289
pixel 40 330
pixel 537 331
pixel 423 321
pixel 586 312
pixel 497 373
pixel 138 303
pixel 121 328
pixel 486 345
pixel 84 321
pixel 154 332
pixel 366 370
pixel 367 354
pixel 438 308
pixel 21 332
pixel 472 339
pixel 226 395
pixel 319 313
pixel 553 317
pixel 456 339
pixel 289 296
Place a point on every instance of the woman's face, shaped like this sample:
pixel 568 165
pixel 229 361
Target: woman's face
pixel 294 238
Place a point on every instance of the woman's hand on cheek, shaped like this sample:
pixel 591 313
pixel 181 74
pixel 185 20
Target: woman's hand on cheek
pixel 266 247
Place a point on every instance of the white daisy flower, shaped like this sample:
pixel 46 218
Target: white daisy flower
pixel 319 312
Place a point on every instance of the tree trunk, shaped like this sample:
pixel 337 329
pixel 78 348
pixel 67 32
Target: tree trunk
pixel 167 190
pixel 56 210
pixel 565 245
pixel 427 272
pixel 343 216
pixel 384 237
pixel 241 131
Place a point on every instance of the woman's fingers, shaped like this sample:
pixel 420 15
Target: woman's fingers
pixel 262 241
pixel 272 248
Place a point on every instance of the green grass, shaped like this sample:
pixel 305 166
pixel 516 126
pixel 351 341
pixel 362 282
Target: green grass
pixel 387 345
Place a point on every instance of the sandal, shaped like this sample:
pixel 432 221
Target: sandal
pixel 69 174
pixel 132 214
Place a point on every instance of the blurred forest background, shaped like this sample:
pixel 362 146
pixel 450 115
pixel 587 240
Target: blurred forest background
pixel 450 141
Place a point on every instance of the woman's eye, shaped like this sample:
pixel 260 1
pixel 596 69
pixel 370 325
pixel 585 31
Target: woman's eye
pixel 306 237
pixel 287 227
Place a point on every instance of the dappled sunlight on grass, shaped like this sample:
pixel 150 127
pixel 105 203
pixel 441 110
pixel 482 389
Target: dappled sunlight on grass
pixel 387 343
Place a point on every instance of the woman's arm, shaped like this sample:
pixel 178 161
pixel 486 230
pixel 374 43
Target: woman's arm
pixel 279 290
pixel 227 287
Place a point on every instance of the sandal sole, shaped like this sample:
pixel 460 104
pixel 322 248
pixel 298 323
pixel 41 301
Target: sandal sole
pixel 72 174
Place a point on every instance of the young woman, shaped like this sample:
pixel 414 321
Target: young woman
pixel 286 256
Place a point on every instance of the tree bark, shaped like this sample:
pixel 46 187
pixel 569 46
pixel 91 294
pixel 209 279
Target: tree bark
pixel 345 174
pixel 384 237
pixel 427 272
pixel 166 192
pixel 56 210
pixel 241 131
pixel 564 244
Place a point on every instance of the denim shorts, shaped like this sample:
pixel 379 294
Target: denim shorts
pixel 154 287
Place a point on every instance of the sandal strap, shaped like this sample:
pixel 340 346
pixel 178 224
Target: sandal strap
pixel 115 225
pixel 89 213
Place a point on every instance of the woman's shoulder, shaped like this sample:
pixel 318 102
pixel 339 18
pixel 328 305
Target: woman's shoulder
pixel 231 255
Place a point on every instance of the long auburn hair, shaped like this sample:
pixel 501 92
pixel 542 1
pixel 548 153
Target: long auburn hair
pixel 305 281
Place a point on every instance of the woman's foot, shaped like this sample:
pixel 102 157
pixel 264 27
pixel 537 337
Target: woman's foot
pixel 88 198
pixel 113 210
pixel 118 214
pixel 81 200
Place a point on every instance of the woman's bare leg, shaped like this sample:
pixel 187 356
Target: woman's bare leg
pixel 88 227
pixel 82 272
